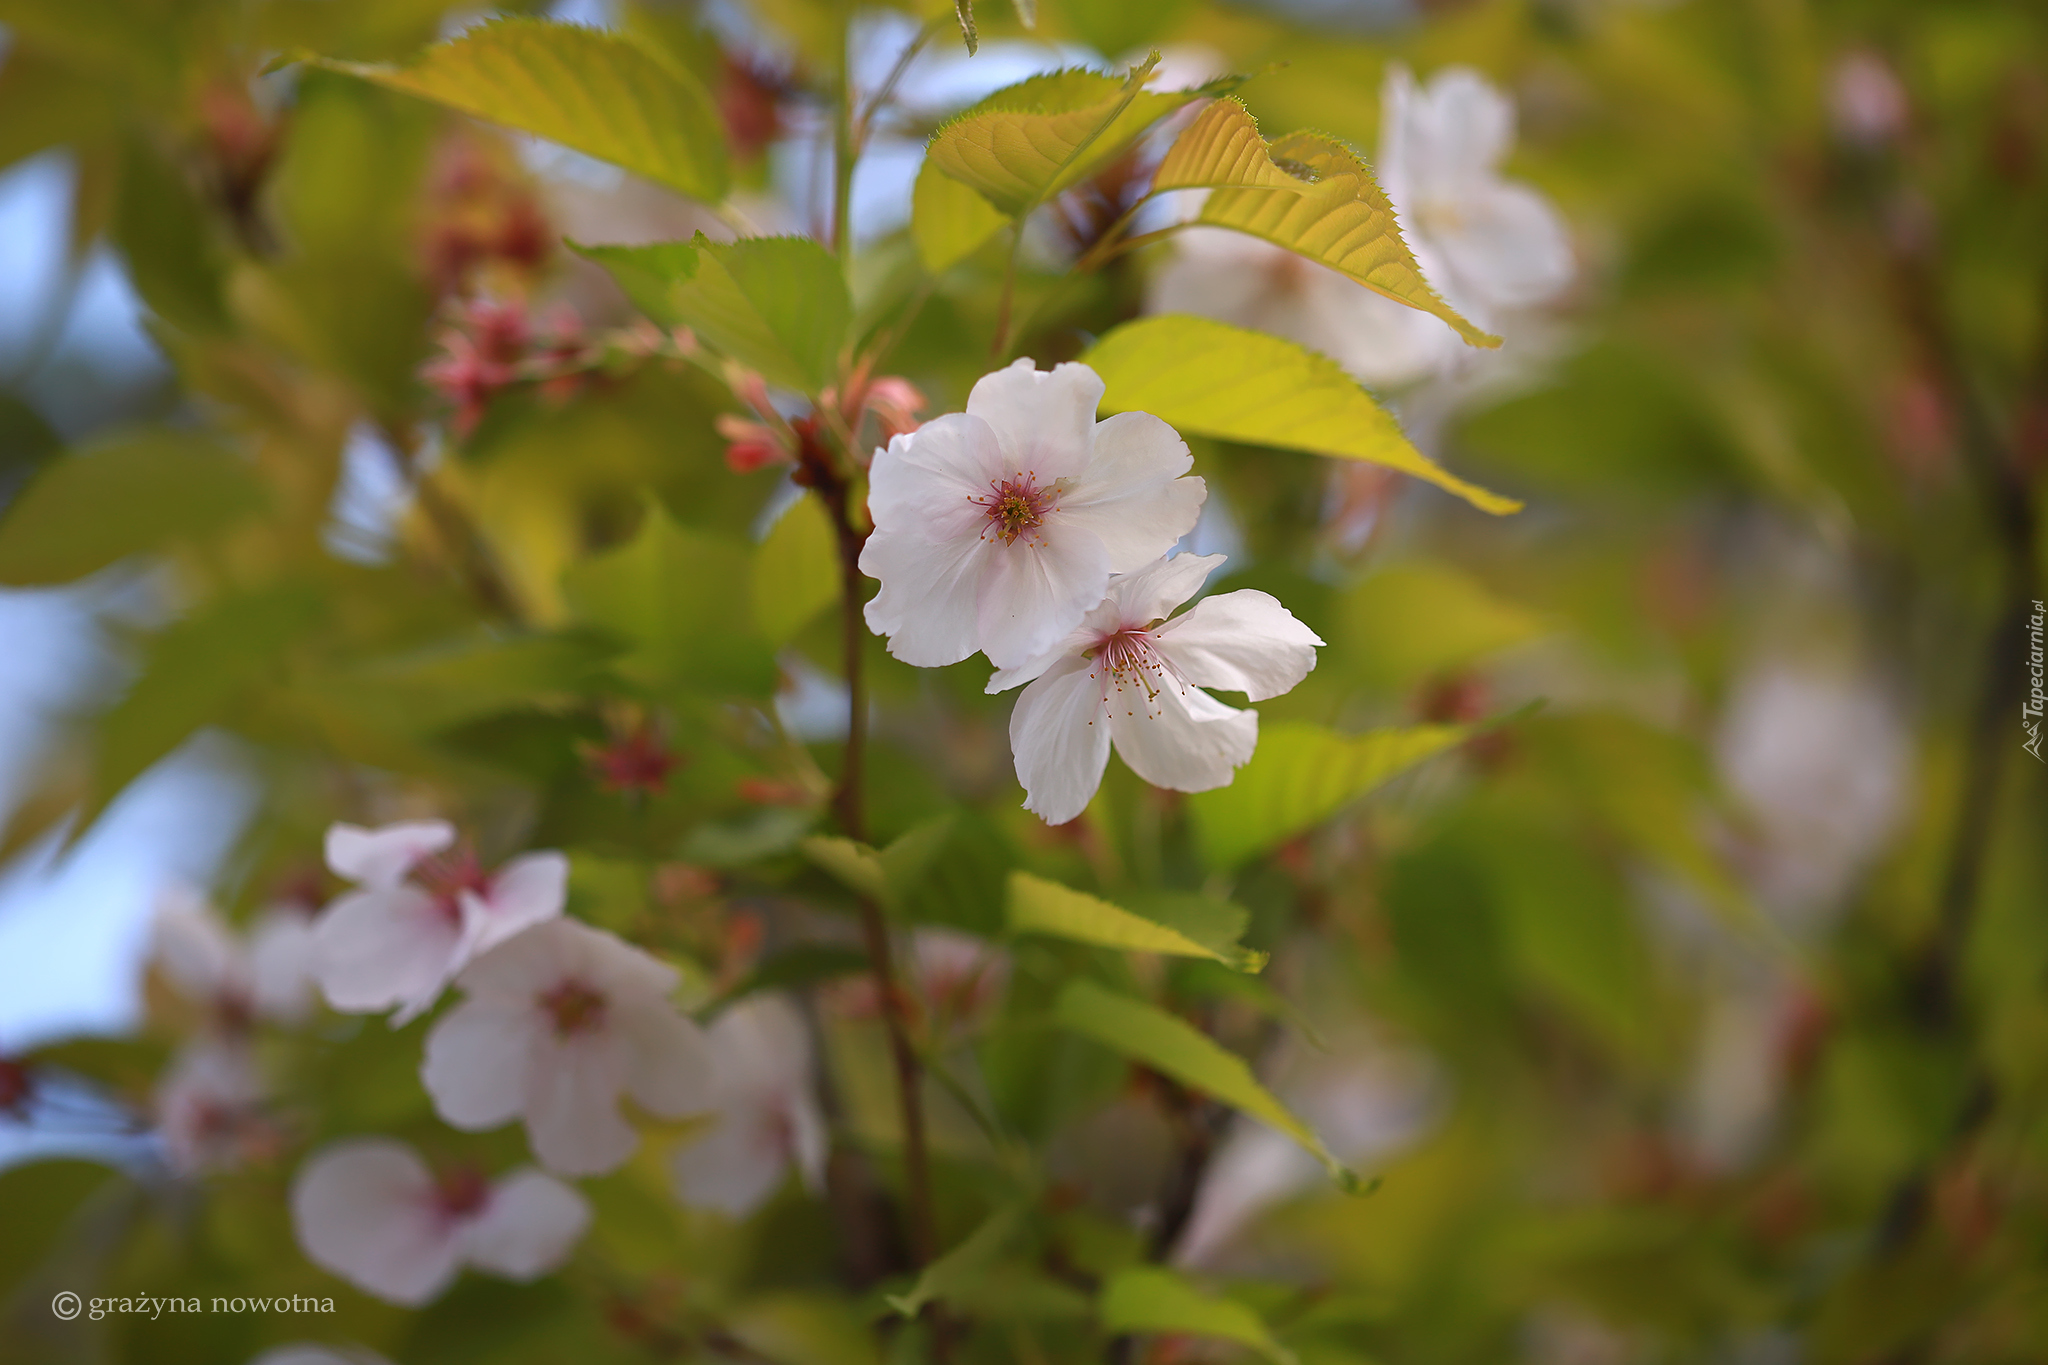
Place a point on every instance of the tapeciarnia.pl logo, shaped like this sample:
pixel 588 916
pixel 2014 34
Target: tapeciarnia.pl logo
pixel 2031 708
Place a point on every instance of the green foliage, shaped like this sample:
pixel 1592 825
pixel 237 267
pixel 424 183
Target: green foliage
pixel 948 220
pixel 1213 379
pixel 1029 141
pixel 1156 1302
pixel 1037 906
pixel 144 493
pixel 1173 1047
pixel 1222 148
pixel 597 92
pixel 1301 775
pixel 774 304
pixel 795 574
pixel 1345 222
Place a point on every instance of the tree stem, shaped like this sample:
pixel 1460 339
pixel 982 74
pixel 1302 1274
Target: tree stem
pixel 848 807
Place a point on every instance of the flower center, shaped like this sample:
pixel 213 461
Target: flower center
pixel 1017 505
pixel 574 1008
pixel 445 876
pixel 1129 664
pixel 461 1192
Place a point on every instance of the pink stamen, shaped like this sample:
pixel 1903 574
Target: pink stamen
pixel 574 1008
pixel 1130 659
pixel 447 875
pixel 460 1193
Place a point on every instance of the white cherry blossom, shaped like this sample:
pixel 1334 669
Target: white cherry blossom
pixel 767 1117
pixel 559 1024
pixel 1129 676
pixel 1491 246
pixel 210 1110
pixel 423 909
pixel 266 974
pixel 372 1212
pixel 997 529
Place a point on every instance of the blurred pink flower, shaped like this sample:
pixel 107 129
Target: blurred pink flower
pixel 210 1109
pixel 558 1025
pixel 1124 677
pixel 370 1211
pixel 767 1117
pixel 421 913
pixel 267 974
pixel 997 529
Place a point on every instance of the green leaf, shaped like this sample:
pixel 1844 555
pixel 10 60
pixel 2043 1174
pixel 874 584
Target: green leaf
pixel 1153 1301
pixel 853 864
pixel 601 93
pixel 1222 147
pixel 778 305
pixel 679 598
pixel 1037 906
pixel 196 672
pixel 1345 222
pixel 1409 622
pixel 1027 142
pixel 1210 378
pixel 168 238
pixel 1175 1048
pixel 948 221
pixel 963 1265
pixel 796 572
pixel 434 688
pixel 1301 775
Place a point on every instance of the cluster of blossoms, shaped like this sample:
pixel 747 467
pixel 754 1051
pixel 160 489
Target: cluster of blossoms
pixel 559 1024
pixel 1027 531
pixel 767 439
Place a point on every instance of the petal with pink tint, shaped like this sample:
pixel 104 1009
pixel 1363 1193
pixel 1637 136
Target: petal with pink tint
pixel 1044 420
pixel 1131 495
pixel 380 947
pixel 1033 592
pixel 524 892
pixel 572 1106
pixel 476 1064
pixel 1242 641
pixel 381 857
pixel 1183 739
pixel 365 1210
pixel 527 1228
pixel 1059 737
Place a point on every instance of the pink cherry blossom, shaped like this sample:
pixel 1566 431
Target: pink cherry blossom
pixel 373 1213
pixel 997 529
pixel 210 1109
pixel 558 1025
pixel 266 974
pixel 421 913
pixel 1128 676
pixel 767 1116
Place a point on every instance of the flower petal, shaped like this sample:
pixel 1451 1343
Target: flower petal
pixel 736 1166
pixel 669 1069
pixel 1060 740
pixel 365 1210
pixel 929 589
pixel 1509 248
pixel 1044 420
pixel 927 480
pixel 1155 591
pixel 1131 496
pixel 1181 738
pixel 281 956
pixel 524 892
pixel 381 857
pixel 1242 641
pixel 476 1063
pixel 192 946
pixel 527 1228
pixel 572 1104
pixel 1034 592
pixel 383 946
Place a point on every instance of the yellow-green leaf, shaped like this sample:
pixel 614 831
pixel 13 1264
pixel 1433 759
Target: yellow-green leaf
pixel 778 305
pixel 1151 1300
pixel 854 865
pixel 1175 1048
pixel 1029 141
pixel 1301 775
pixel 1222 147
pixel 603 94
pixel 1409 622
pixel 963 1265
pixel 1037 906
pixel 1207 377
pixel 87 510
pixel 796 572
pixel 1345 221
pixel 948 221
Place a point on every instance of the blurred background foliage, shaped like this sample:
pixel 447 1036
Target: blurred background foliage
pixel 1700 1014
